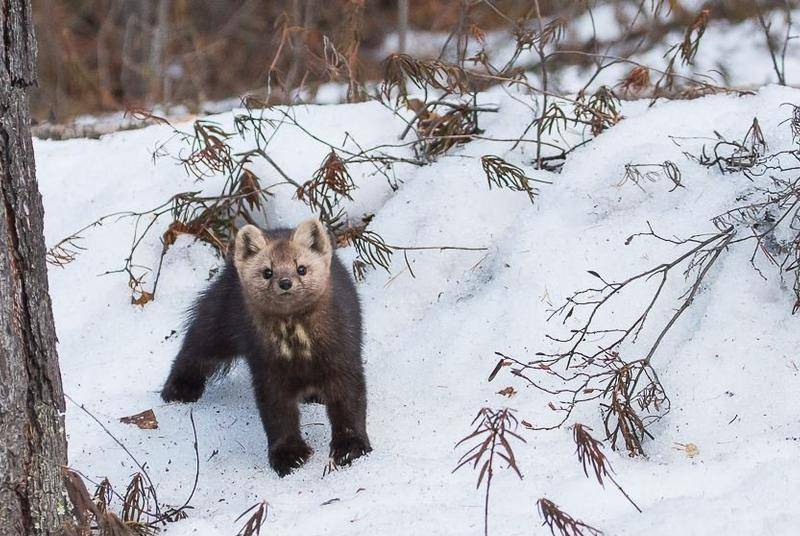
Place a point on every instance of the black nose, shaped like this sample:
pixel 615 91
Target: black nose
pixel 285 283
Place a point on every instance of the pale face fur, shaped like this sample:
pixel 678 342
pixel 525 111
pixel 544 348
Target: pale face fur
pixel 256 253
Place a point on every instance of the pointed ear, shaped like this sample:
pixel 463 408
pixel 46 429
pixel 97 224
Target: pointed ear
pixel 249 241
pixel 313 235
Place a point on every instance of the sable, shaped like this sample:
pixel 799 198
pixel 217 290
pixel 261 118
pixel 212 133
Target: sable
pixel 287 305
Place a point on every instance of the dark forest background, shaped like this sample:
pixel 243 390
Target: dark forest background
pixel 107 55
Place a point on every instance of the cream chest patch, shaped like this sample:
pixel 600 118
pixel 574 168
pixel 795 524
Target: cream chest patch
pixel 291 339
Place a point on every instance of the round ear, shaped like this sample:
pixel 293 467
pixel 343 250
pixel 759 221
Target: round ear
pixel 249 241
pixel 312 234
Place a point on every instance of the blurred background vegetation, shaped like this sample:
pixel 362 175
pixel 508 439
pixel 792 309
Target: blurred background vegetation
pixel 107 55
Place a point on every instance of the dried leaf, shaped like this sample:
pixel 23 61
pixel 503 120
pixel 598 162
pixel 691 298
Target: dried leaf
pixel 83 506
pixel 508 391
pixel 690 449
pixel 145 420
pixel 144 298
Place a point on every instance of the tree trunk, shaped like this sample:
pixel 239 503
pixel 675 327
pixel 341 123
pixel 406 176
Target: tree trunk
pixel 32 441
pixel 402 25
pixel 158 53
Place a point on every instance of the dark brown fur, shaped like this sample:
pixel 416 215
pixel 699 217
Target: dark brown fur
pixel 303 342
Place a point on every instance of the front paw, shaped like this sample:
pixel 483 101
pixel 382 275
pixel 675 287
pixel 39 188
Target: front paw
pixel 288 456
pixel 178 390
pixel 345 450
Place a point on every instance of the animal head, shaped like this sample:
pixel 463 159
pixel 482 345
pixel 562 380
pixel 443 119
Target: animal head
pixel 284 276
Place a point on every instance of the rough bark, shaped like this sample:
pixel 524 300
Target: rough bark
pixel 32 441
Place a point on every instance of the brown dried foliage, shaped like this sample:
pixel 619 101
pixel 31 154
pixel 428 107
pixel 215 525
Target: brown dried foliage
pixel 491 437
pixel 557 520
pixel 505 175
pixel 691 38
pixel 600 111
pixel 145 420
pixel 637 79
pixel 64 252
pixel 324 191
pixel 591 455
pixel 92 513
pixel 210 153
pixel 400 69
pixel 590 367
pixel 257 516
pixel 439 133
pixel 371 248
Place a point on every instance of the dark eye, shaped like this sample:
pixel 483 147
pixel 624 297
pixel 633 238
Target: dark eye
pixel 267 273
pixel 301 270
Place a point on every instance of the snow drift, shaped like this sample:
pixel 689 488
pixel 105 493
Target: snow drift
pixel 730 365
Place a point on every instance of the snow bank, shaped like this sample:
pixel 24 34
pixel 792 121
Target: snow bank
pixel 730 366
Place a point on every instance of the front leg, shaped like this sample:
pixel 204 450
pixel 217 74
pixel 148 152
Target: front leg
pixel 209 344
pixel 281 418
pixel 189 373
pixel 347 411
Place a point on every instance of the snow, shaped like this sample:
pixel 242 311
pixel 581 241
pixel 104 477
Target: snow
pixel 730 54
pixel 730 365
